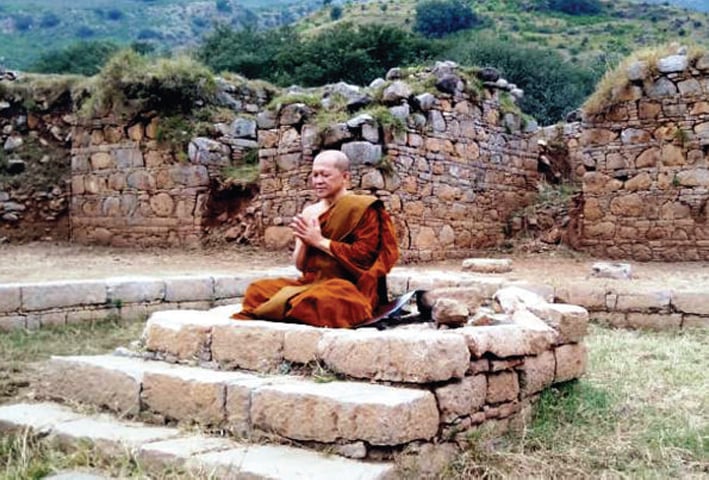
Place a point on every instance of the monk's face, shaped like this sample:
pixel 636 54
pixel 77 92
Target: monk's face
pixel 329 182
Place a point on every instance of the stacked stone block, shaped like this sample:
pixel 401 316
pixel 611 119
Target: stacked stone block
pixel 646 182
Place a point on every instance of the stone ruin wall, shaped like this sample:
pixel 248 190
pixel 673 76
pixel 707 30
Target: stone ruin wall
pixel 35 135
pixel 644 163
pixel 130 189
pixel 450 181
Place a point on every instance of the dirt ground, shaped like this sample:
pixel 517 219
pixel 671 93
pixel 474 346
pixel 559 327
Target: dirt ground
pixel 48 261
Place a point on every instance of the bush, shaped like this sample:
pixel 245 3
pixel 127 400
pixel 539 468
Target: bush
pixel 83 58
pixel 114 14
pixel 23 22
pixel 335 13
pixel 49 20
pixel 553 87
pixel 85 32
pixel 436 18
pixel 223 6
pixel 572 7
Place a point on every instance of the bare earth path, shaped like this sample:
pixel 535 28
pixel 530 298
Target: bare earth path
pixel 37 262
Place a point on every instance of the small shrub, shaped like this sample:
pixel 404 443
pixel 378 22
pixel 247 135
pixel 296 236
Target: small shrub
pixel 335 13
pixel 85 32
pixel 49 20
pixel 23 22
pixel 114 14
pixel 223 6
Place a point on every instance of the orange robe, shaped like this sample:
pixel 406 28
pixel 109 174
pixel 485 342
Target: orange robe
pixel 342 290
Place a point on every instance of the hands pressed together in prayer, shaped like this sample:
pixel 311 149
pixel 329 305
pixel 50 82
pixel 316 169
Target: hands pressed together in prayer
pixel 307 229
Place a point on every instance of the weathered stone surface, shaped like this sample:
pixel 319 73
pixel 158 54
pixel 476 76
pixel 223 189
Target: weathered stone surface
pixel 571 321
pixel 10 298
pixel 12 322
pixel 135 289
pixel 643 301
pixel 103 381
pixel 349 411
pixel 362 153
pixel 447 311
pixel 396 355
pixel 267 462
pixel 507 340
pixel 570 362
pixel 653 321
pixel 229 286
pixel 695 321
pixel 537 373
pixel 510 299
pixel 254 345
pixel 184 289
pixel 110 437
pixel 502 387
pixel 43 296
pixel 612 270
pixel 189 394
pixel 39 417
pixel 696 301
pixel 462 398
pixel 300 344
pixel 487 265
pixel 672 63
pixel 173 453
pixel 183 334
pixel 590 297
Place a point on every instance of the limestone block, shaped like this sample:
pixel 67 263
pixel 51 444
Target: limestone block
pixel 182 333
pixel 109 436
pixel 174 453
pixel 510 299
pixel 44 296
pixel 101 161
pixel 362 153
pixel 189 394
pixel 570 321
pixel 189 175
pixel 135 289
pixel 541 289
pixel 622 271
pixel 103 381
pixel 611 319
pixel 129 158
pixel 691 302
pixel 37 417
pixel 372 180
pixel 188 289
pixel 637 70
pixel 502 387
pixel 230 286
pixel 693 321
pixel 588 296
pixel 663 87
pixel 50 319
pixel 673 63
pixel 397 355
pixel 253 345
pixel 654 321
pixel 487 265
pixel 300 345
pixel 396 92
pixel 537 373
pixel 12 322
pixel 348 411
pixel 571 362
pixel 462 398
pixel 266 462
pixel 507 340
pixel 643 301
pixel 447 311
pixel 10 298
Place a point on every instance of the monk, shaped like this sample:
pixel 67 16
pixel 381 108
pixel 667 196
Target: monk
pixel 345 244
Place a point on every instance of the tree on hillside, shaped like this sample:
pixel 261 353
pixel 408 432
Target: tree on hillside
pixel 355 54
pixel 553 86
pixel 436 18
pixel 572 7
pixel 83 58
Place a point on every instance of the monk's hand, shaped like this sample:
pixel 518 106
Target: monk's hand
pixel 308 231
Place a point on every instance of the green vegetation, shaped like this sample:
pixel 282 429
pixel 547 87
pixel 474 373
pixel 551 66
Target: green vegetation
pixel 641 411
pixel 83 58
pixel 437 18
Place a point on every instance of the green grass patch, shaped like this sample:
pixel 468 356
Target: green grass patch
pixel 641 411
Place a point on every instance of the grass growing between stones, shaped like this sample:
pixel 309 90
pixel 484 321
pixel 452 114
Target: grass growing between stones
pixel 641 411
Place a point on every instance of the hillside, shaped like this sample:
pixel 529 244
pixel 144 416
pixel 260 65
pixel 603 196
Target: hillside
pixel 623 26
pixel 30 27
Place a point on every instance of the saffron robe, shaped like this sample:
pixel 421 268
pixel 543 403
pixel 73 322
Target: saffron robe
pixel 342 290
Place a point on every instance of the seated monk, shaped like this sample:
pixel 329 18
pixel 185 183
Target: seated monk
pixel 345 245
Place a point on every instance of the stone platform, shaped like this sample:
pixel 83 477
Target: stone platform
pixel 365 394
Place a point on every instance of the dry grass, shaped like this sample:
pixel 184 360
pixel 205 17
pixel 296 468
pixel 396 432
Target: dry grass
pixel 615 81
pixel 642 411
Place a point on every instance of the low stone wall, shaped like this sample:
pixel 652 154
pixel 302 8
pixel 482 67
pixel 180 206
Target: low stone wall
pixel 37 305
pixel 646 184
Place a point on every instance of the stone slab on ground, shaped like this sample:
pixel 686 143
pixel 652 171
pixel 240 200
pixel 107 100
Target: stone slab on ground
pixel 487 265
pixel 268 462
pixel 76 475
pixel 38 417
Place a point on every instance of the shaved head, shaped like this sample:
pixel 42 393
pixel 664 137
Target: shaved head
pixel 339 160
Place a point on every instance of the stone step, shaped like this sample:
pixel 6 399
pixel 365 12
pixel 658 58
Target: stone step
pixel 158 449
pixel 418 353
pixel 297 408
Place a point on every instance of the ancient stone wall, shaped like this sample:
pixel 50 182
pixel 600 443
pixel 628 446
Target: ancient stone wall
pixel 133 184
pixel 451 176
pixel 646 182
pixel 35 134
